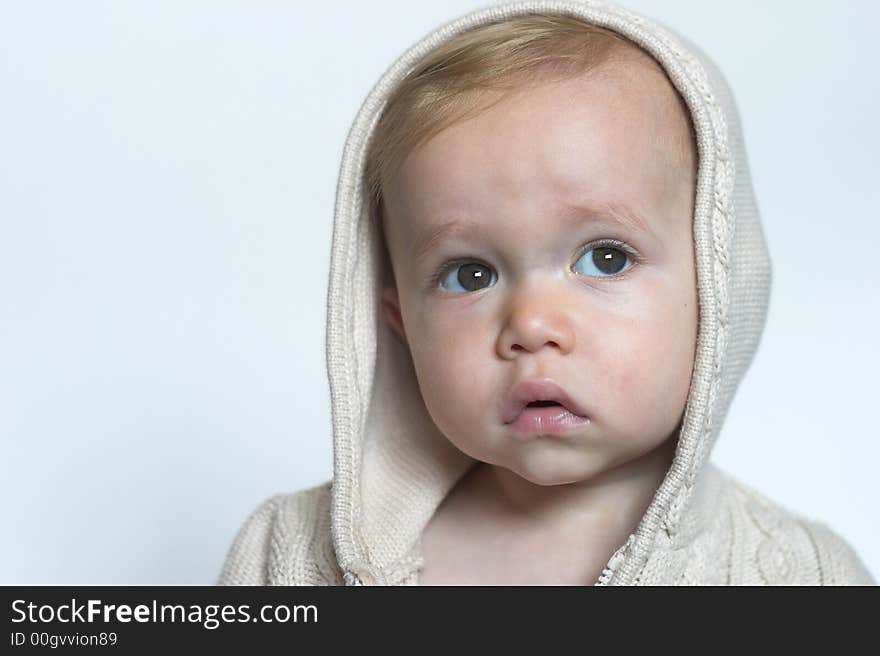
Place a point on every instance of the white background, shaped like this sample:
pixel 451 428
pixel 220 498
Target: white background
pixel 167 179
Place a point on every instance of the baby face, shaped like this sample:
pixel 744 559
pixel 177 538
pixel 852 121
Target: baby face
pixel 548 239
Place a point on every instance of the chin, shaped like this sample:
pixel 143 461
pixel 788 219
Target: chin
pixel 554 471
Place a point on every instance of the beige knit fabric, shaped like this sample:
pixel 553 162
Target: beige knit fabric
pixel 392 467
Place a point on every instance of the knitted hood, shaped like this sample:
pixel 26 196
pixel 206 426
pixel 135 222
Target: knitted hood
pixel 393 467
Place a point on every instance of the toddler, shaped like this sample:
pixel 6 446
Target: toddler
pixel 548 278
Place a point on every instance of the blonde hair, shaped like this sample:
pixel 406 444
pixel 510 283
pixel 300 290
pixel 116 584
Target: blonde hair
pixel 500 56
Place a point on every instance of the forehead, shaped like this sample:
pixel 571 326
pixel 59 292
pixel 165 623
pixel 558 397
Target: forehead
pixel 617 137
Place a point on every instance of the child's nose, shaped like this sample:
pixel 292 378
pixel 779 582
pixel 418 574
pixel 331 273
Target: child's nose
pixel 537 318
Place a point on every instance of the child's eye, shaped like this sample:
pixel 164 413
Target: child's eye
pixel 604 260
pixel 466 277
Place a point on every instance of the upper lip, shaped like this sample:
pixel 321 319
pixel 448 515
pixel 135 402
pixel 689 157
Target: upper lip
pixel 540 389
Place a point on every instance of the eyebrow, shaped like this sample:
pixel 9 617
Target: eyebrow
pixel 613 213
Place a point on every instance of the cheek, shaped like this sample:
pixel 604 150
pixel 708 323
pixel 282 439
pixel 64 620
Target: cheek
pixel 437 342
pixel 452 369
pixel 653 360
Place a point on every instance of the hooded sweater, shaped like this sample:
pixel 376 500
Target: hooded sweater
pixel 392 467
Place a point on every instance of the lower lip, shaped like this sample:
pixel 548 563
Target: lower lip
pixel 549 420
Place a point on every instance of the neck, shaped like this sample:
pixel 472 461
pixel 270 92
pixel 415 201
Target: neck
pixel 610 503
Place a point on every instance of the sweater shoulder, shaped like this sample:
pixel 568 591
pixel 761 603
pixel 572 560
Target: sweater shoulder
pixel 780 546
pixel 838 561
pixel 284 541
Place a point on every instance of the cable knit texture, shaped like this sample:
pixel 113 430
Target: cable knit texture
pixel 393 468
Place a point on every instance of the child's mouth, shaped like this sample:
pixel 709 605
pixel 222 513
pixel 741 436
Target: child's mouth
pixel 542 406
pixel 546 418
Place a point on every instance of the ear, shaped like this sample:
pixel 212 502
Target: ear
pixel 391 305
